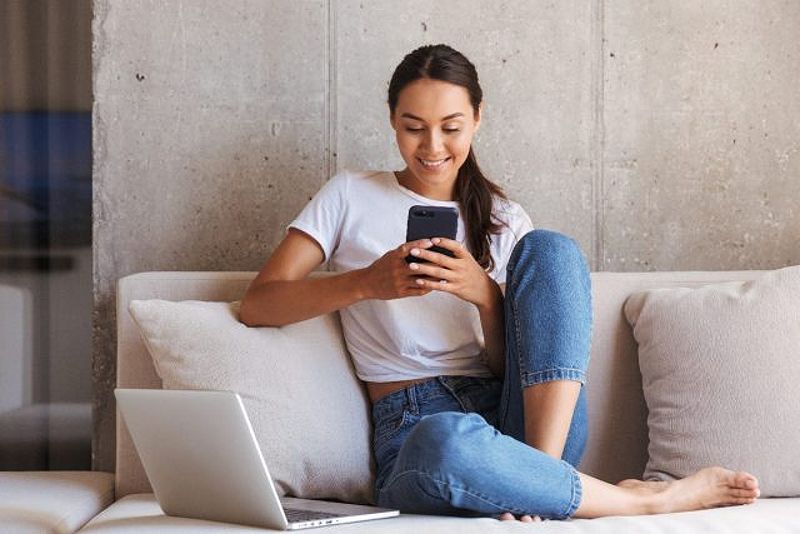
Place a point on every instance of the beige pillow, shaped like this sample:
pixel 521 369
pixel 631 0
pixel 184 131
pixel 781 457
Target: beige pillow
pixel 309 411
pixel 721 377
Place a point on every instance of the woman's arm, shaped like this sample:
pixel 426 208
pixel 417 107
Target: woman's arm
pixel 282 294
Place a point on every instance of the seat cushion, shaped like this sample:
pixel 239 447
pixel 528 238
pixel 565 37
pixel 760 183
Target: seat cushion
pixel 720 366
pixel 52 501
pixel 140 514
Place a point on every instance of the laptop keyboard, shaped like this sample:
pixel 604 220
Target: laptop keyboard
pixel 296 515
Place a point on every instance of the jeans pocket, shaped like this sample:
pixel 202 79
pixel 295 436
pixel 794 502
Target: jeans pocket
pixel 390 433
pixel 389 424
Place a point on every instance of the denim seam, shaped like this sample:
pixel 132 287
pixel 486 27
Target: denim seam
pixel 549 375
pixel 411 397
pixel 577 492
pixel 452 392
pixel 457 487
pixel 518 339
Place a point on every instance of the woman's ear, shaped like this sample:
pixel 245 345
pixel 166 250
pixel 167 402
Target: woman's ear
pixel 391 120
pixel 479 116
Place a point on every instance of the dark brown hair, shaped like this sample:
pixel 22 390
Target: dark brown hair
pixel 473 190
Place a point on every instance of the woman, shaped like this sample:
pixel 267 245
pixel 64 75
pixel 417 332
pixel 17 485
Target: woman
pixel 475 364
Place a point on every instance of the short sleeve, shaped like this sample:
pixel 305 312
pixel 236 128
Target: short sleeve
pixel 322 218
pixel 517 223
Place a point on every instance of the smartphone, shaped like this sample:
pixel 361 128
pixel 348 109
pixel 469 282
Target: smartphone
pixel 425 222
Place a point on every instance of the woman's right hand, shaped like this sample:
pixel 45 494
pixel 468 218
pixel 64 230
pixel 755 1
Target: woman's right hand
pixel 389 277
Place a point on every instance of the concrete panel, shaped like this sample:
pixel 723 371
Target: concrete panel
pixel 534 64
pixel 702 138
pixel 210 134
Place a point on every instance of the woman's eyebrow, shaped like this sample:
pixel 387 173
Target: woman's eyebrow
pixel 451 116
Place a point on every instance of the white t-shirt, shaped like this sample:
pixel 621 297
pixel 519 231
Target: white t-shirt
pixel 358 216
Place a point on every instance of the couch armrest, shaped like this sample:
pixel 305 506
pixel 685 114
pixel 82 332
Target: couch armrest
pixel 52 501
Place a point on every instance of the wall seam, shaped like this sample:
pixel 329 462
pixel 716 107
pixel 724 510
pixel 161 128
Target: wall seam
pixel 598 133
pixel 331 102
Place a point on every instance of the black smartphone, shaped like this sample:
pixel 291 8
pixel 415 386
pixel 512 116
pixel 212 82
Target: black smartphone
pixel 425 222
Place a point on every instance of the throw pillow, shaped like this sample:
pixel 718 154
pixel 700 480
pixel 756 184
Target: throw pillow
pixel 720 371
pixel 308 410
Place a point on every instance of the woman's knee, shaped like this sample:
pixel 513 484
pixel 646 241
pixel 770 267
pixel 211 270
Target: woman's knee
pixel 548 258
pixel 445 440
pixel 550 250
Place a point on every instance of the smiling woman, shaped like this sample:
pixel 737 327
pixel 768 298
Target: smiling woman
pixel 464 422
pixel 435 109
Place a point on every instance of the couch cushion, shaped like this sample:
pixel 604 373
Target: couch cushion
pixel 140 514
pixel 309 412
pixel 720 367
pixel 52 501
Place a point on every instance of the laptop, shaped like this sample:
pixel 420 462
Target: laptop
pixel 203 461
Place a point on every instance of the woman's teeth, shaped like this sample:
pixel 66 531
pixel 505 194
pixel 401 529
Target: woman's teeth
pixel 432 164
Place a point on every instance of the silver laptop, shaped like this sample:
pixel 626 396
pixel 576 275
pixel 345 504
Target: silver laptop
pixel 203 461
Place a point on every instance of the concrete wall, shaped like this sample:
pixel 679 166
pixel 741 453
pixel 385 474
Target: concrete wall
pixel 661 135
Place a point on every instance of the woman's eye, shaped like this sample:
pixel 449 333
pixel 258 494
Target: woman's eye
pixel 446 130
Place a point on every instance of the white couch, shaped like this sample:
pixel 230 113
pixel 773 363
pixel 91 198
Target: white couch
pixel 617 445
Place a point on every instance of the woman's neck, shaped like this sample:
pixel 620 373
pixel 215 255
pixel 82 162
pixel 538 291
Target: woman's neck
pixel 407 179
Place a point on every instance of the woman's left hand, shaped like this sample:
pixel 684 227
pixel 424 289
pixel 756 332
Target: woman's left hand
pixel 462 275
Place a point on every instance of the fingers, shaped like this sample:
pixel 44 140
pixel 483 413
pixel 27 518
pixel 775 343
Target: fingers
pixel 433 257
pixel 431 271
pixel 405 248
pixel 419 249
pixel 453 246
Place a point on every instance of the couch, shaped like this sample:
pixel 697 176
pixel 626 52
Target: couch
pixel 617 447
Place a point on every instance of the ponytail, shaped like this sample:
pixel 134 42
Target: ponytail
pixel 475 194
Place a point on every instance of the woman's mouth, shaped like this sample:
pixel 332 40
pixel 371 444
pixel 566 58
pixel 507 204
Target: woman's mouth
pixel 433 165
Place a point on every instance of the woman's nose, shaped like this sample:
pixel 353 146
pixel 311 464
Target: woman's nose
pixel 433 141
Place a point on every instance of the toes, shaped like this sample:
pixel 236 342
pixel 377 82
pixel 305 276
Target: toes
pixel 743 479
pixel 508 516
pixel 744 493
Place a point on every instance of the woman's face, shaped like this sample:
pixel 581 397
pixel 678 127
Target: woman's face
pixel 434 124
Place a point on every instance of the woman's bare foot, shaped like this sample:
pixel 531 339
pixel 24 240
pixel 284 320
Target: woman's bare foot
pixel 508 516
pixel 708 488
pixel 644 486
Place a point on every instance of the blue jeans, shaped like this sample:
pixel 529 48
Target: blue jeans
pixel 454 445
